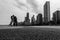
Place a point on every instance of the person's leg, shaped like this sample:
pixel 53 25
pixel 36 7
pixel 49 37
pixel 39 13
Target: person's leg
pixel 14 24
pixel 11 23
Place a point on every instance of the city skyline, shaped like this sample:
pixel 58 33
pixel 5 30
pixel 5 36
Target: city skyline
pixel 9 8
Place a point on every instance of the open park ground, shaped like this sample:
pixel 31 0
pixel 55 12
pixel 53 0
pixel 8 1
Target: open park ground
pixel 29 32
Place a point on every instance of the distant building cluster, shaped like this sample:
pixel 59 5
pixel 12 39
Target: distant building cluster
pixel 41 20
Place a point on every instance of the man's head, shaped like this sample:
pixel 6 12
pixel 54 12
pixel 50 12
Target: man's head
pixel 12 15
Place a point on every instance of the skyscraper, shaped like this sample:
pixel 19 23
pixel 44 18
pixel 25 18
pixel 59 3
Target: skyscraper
pixel 39 19
pixel 56 17
pixel 33 20
pixel 47 12
pixel 27 16
pixel 27 20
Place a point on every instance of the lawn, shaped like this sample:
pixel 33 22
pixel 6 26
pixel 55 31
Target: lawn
pixel 30 33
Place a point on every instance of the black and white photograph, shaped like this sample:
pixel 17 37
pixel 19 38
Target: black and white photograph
pixel 29 19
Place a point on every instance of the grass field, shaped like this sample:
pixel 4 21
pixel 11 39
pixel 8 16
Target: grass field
pixel 30 33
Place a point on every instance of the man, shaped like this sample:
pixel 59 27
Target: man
pixel 12 20
pixel 15 21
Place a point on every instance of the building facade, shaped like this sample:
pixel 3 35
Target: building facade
pixel 47 12
pixel 56 17
pixel 33 20
pixel 27 20
pixel 39 19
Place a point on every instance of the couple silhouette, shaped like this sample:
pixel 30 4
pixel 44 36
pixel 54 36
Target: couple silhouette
pixel 13 20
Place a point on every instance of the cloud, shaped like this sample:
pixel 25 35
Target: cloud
pixel 34 5
pixel 21 5
pixel 30 5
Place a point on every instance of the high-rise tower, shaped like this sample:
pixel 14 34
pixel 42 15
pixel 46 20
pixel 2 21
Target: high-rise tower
pixel 47 12
pixel 56 17
pixel 39 19
pixel 27 20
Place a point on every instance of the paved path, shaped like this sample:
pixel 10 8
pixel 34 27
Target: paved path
pixel 14 27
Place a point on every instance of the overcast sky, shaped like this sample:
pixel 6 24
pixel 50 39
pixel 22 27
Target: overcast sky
pixel 21 7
